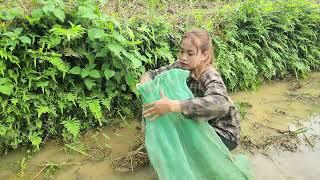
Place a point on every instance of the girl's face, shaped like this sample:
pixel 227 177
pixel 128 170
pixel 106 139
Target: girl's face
pixel 190 57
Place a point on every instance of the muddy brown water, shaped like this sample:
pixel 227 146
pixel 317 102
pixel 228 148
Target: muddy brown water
pixel 277 107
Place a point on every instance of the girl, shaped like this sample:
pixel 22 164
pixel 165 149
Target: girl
pixel 211 102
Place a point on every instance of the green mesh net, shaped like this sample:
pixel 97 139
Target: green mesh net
pixel 181 148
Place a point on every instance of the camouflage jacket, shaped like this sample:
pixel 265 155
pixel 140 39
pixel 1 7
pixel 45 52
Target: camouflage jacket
pixel 210 103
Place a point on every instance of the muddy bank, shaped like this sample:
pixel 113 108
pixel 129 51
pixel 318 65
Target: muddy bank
pixel 280 134
pixel 274 108
pixel 83 161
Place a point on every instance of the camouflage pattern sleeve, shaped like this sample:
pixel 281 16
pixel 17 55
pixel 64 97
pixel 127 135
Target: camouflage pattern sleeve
pixel 155 72
pixel 213 104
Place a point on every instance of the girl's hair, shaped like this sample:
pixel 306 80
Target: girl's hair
pixel 201 39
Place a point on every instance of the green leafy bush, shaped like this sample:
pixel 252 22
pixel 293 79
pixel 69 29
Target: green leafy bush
pixel 267 39
pixel 66 70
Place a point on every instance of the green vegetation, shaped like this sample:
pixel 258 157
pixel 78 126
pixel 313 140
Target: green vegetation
pixel 68 67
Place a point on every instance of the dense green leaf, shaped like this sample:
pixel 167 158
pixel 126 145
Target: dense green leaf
pixel 48 8
pixel 119 37
pixel 115 48
pixel 59 14
pixel 6 89
pixel 95 33
pixel 3 80
pixel 86 12
pixel 130 79
pixel 136 63
pixel 94 73
pixel 37 14
pixel 75 70
pixel 84 73
pixel 25 39
pixel 108 73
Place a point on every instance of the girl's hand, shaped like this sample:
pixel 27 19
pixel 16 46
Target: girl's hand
pixel 160 107
pixel 145 78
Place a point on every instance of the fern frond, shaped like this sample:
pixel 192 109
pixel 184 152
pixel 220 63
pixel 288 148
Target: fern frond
pixel 3 67
pixel 106 103
pixel 72 126
pixel 36 140
pixel 3 130
pixel 74 32
pixel 95 109
pixel 52 72
pixel 8 56
pixel 57 62
pixel 61 106
pixel 72 53
pixel 71 97
pixel 83 105
pixel 42 85
pixel 42 109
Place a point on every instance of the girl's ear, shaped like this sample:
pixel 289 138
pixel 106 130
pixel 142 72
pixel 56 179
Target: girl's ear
pixel 204 56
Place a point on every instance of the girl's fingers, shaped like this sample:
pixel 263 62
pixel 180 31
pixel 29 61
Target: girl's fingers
pixel 162 94
pixel 148 105
pixel 149 114
pixel 154 117
pixel 151 110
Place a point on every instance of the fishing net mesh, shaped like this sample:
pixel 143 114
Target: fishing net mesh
pixel 182 148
